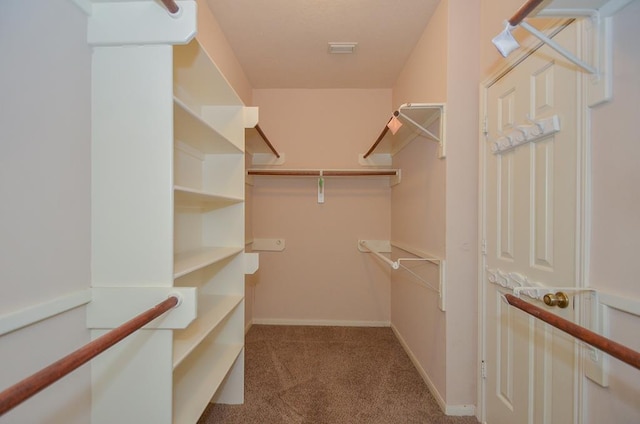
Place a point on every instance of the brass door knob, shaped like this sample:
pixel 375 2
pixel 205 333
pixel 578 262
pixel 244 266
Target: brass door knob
pixel 560 299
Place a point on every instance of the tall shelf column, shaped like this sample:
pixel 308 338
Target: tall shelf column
pixel 167 215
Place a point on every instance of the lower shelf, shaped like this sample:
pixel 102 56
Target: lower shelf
pixel 197 379
pixel 212 310
pixel 192 260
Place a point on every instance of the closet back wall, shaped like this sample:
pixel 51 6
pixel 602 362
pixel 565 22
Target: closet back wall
pixel 321 277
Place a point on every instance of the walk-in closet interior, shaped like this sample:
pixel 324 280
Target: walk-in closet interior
pixel 170 179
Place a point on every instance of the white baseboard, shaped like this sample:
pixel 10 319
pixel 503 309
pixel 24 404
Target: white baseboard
pixel 461 410
pixel 333 323
pixel 454 410
pixel 247 327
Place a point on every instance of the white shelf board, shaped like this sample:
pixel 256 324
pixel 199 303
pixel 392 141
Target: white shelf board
pixel 188 197
pixel 193 260
pixel 194 72
pixel 565 7
pixel 190 128
pixel 212 309
pixel 199 377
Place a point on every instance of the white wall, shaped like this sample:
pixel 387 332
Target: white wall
pixel 321 277
pixel 463 62
pixel 615 230
pixel 444 67
pixel 45 192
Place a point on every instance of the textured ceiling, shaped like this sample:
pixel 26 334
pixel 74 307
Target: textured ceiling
pixel 284 43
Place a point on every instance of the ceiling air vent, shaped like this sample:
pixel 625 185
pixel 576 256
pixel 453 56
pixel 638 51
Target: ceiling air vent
pixel 342 48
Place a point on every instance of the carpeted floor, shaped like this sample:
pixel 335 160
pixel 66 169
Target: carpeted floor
pixel 329 375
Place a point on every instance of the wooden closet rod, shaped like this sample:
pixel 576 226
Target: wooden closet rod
pixel 614 349
pixel 390 173
pixel 323 173
pixel 380 137
pixel 266 140
pixel 524 11
pixel 23 390
pixel 296 173
pixel 171 6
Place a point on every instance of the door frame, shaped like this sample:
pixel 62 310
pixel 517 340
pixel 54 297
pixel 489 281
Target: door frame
pixel 583 226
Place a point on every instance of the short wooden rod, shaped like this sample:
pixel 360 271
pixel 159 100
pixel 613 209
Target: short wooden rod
pixel 23 390
pixel 524 11
pixel 364 173
pixel 266 140
pixel 380 137
pixel 621 352
pixel 171 6
pixel 276 172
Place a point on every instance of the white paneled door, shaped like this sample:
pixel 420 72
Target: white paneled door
pixel 531 207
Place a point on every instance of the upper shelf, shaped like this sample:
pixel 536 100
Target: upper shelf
pixel 579 7
pixel 416 119
pixel 198 81
pixel 191 128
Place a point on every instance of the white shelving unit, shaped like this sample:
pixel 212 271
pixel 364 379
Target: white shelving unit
pixel 209 128
pixel 168 169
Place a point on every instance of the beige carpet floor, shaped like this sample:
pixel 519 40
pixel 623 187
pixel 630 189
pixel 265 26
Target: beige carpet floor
pixel 329 375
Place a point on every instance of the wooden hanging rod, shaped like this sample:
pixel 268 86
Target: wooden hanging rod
pixel 380 137
pixel 266 140
pixel 23 390
pixel 323 173
pixel 524 11
pixel 614 349
pixel 171 6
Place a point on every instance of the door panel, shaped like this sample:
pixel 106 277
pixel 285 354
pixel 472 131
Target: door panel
pixel 530 224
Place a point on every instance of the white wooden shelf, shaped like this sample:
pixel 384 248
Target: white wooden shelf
pixel 212 310
pixel 192 129
pixel 580 7
pixel 192 260
pixel 198 375
pixel 192 198
pixel 208 178
pixel 197 79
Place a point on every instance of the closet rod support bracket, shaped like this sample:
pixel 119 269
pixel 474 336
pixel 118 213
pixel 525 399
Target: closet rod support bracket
pixel 111 306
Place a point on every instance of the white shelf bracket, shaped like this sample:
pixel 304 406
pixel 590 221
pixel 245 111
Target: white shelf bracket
pixel 384 246
pixel 268 245
pixel 112 306
pixel 321 188
pixel 596 43
pixel 558 48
